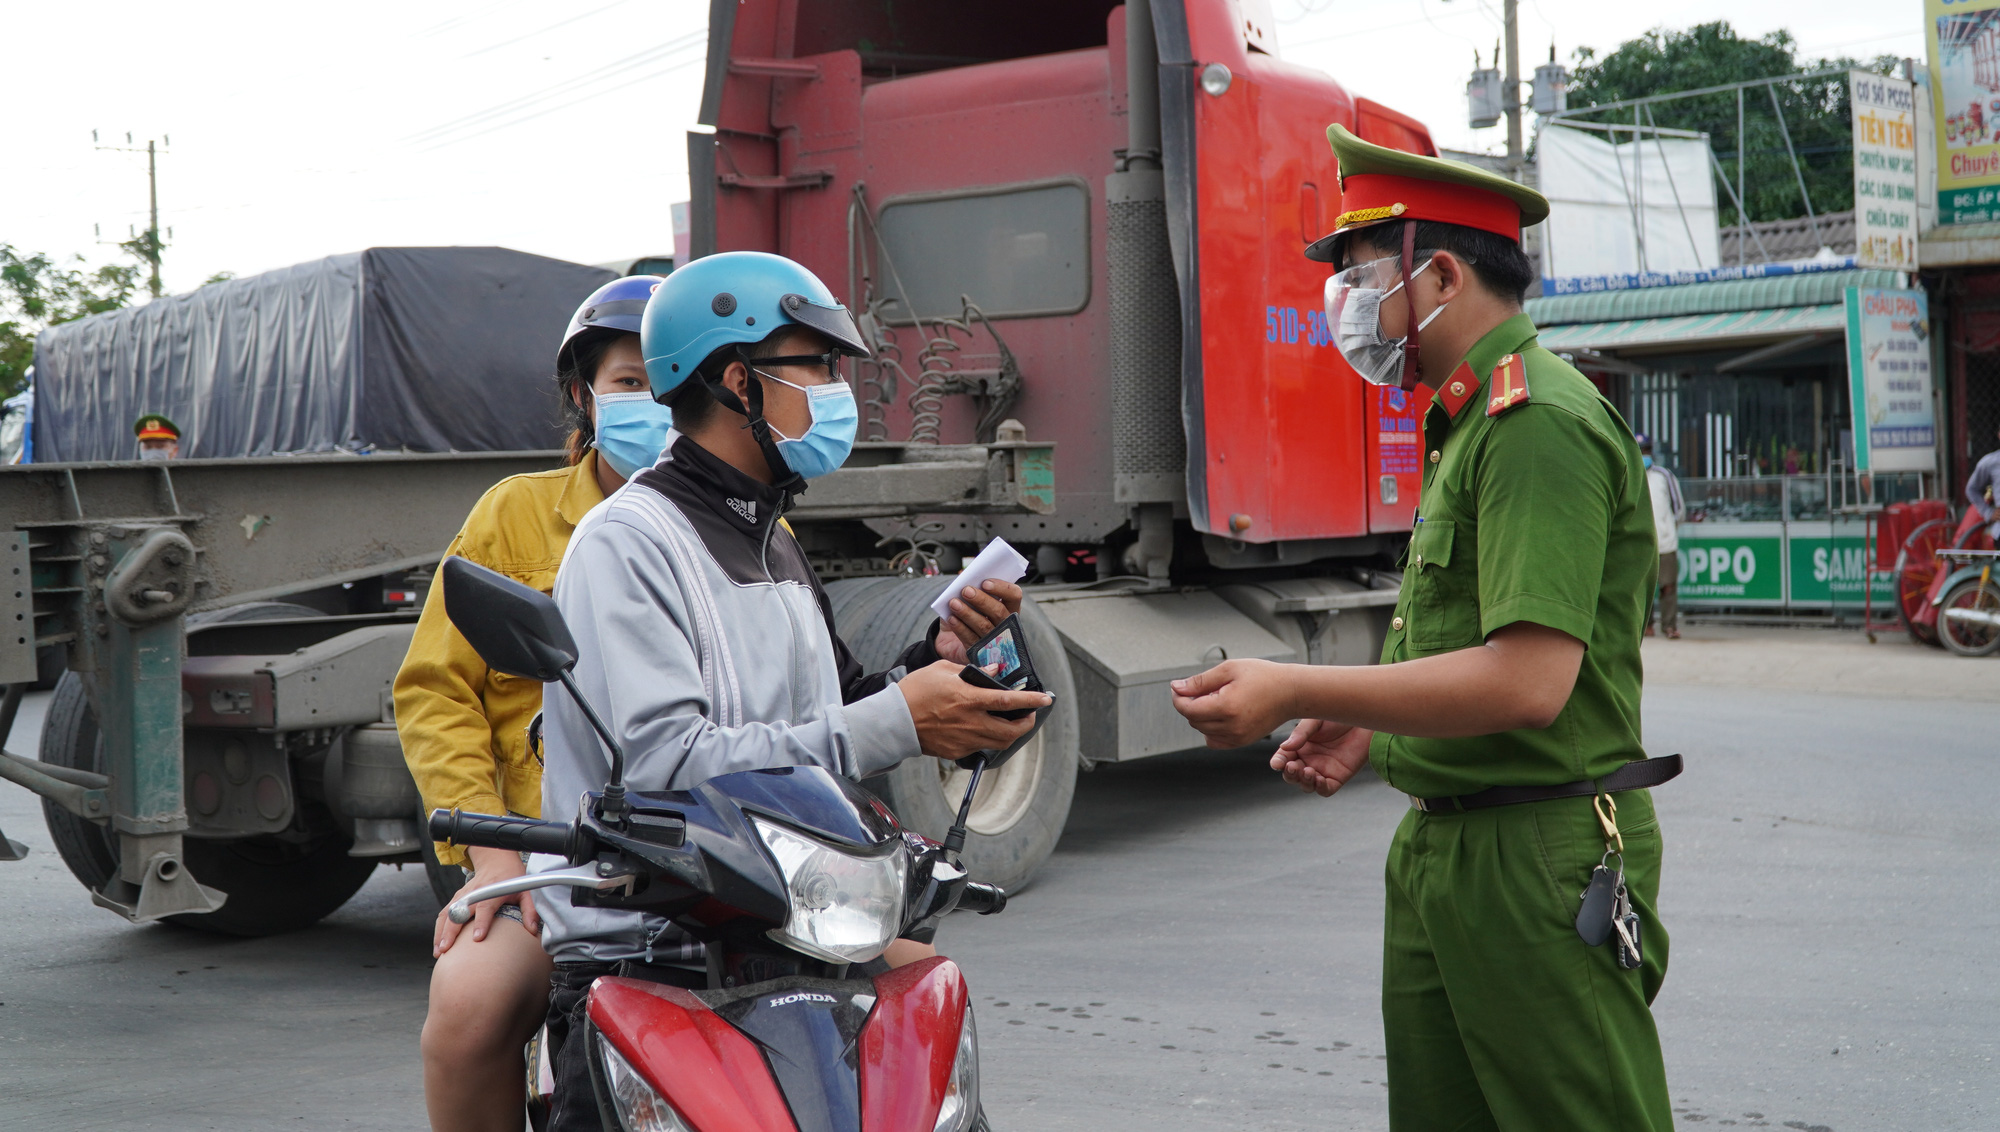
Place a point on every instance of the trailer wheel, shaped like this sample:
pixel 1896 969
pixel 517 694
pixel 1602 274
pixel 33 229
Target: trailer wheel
pixel 1019 812
pixel 274 885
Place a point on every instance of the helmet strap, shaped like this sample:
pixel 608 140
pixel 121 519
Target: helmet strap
pixel 782 476
pixel 1409 381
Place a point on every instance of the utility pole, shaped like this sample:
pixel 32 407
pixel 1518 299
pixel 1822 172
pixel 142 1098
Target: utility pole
pixel 1516 153
pixel 153 201
pixel 150 243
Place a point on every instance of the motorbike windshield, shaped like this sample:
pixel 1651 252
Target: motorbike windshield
pixel 811 799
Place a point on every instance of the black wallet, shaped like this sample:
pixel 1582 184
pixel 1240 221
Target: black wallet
pixel 1005 650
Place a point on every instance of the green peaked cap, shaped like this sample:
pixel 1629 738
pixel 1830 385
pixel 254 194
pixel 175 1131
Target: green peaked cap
pixel 156 423
pixel 1379 184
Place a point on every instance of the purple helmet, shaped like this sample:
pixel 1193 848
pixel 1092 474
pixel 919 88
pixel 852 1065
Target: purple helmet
pixel 618 305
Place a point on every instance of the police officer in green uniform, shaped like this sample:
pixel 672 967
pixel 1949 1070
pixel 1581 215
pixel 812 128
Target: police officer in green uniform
pixel 1522 946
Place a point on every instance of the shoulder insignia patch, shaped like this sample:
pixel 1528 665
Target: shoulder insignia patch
pixel 1510 385
pixel 1461 387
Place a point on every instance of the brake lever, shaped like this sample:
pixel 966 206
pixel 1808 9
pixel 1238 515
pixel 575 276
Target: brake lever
pixel 579 876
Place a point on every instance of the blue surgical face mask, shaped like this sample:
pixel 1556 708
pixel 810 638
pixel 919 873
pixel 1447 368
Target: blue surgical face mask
pixel 1646 460
pixel 830 438
pixel 631 430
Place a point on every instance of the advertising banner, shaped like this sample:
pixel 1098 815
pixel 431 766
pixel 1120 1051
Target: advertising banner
pixel 1885 170
pixel 1889 380
pixel 1744 568
pixel 1829 570
pixel 1964 37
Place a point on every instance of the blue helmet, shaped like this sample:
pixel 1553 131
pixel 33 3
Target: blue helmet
pixel 734 298
pixel 618 305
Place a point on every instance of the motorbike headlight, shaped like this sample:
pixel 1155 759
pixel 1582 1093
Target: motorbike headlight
pixel 961 1093
pixel 640 1107
pixel 844 908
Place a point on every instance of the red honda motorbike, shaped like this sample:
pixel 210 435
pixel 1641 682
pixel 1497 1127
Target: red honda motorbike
pixel 791 877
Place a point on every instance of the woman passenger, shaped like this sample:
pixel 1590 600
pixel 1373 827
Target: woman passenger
pixel 464 727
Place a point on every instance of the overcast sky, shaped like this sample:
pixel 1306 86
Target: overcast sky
pixel 300 131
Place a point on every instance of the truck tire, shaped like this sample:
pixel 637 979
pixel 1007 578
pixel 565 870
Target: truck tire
pixel 273 885
pixel 1019 813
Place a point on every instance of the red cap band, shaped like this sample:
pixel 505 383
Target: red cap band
pixel 1370 197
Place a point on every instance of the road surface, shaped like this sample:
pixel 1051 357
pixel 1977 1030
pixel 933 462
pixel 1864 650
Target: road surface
pixel 1202 952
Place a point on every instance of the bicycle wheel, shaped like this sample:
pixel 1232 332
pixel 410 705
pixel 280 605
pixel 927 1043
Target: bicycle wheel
pixel 1969 617
pixel 1916 568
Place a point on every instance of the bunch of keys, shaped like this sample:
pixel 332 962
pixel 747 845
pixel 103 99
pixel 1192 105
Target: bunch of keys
pixel 1607 912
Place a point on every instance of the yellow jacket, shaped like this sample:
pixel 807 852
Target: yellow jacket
pixel 464 727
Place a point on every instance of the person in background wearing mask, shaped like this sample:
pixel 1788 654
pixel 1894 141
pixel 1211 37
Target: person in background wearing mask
pixel 464 727
pixel 1668 511
pixel 703 636
pixel 1506 705
pixel 159 438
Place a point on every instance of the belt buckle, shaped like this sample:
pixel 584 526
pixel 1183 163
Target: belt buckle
pixel 1418 804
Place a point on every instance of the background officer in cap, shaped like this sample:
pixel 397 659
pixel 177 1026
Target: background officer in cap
pixel 1507 701
pixel 159 438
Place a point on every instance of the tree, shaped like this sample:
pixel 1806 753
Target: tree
pixel 36 293
pixel 1815 111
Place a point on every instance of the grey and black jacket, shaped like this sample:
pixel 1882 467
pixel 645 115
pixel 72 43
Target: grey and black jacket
pixel 706 644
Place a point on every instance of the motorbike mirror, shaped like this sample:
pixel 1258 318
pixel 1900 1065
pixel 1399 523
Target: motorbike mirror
pixel 514 628
pixel 518 630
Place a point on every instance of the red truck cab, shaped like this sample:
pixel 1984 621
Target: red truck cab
pixel 915 154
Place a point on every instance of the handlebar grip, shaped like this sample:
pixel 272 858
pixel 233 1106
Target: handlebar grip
pixel 501 833
pixel 984 899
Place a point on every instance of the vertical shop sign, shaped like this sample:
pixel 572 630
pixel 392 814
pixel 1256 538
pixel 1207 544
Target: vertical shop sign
pixel 1889 380
pixel 1964 40
pixel 1885 170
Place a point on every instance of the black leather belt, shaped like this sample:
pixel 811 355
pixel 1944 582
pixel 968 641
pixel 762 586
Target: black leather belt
pixel 1632 776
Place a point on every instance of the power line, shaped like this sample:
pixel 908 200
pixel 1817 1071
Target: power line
pixel 460 21
pixel 529 117
pixel 551 27
pixel 650 55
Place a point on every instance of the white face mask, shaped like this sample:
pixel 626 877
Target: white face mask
pixel 1354 311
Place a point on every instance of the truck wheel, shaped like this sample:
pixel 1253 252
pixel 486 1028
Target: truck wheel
pixel 1018 815
pixel 274 885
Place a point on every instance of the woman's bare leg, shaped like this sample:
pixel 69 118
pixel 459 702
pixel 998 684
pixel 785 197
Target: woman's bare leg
pixel 487 999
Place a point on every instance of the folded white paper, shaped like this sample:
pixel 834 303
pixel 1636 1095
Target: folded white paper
pixel 997 560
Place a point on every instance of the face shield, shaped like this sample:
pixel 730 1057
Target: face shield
pixel 1354 299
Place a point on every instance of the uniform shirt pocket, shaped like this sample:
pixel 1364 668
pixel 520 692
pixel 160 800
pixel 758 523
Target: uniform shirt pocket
pixel 1444 599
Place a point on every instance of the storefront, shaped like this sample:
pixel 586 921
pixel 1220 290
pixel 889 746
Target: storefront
pixel 1961 270
pixel 1745 387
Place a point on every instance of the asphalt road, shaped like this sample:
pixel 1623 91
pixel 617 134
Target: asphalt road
pixel 1202 952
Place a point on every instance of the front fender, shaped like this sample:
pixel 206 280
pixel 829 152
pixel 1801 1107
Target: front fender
pixel 1952 579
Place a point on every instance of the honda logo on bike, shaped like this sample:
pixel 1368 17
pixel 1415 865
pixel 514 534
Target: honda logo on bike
pixel 801 997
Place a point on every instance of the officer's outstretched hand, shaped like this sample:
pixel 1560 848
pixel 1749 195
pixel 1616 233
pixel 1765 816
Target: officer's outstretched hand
pixel 1237 702
pixel 1321 755
pixel 954 718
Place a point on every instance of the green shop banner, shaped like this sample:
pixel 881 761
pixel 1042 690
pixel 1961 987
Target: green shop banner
pixel 1732 571
pixel 1830 571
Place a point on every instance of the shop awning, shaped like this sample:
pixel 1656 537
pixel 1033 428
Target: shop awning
pixel 1699 331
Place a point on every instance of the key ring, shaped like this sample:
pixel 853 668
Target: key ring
pixel 1599 803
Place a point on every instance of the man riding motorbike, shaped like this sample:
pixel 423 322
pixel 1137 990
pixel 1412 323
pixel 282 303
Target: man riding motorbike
pixel 464 727
pixel 703 634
